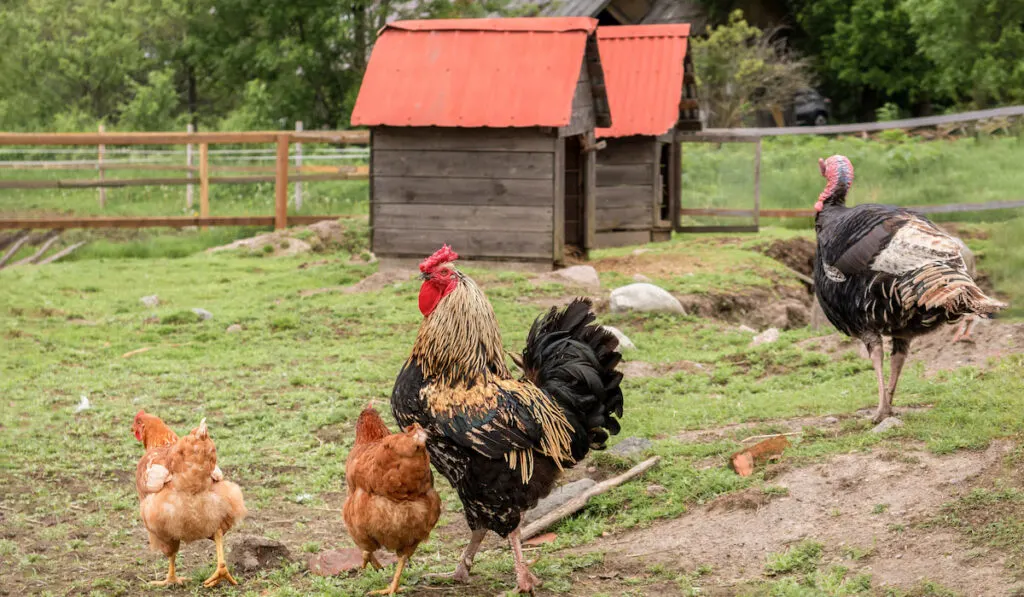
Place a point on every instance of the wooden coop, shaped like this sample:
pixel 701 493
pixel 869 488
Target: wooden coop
pixel 652 94
pixel 482 137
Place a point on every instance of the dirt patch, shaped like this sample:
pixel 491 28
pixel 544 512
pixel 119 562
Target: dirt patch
pixel 796 253
pixel 631 369
pixel 752 498
pixel 657 265
pixel 990 340
pixel 783 307
pixel 863 501
pixel 372 283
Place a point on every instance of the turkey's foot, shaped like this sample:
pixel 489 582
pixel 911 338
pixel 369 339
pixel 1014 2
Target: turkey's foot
pixel 526 581
pixel 881 415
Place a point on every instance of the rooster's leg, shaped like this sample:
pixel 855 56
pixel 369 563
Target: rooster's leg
pixel 524 578
pixel 221 573
pixel 461 574
pixel 172 578
pixel 884 405
pixel 900 348
pixel 393 588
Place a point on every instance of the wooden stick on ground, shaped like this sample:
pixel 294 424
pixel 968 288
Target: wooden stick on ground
pixel 54 236
pixel 62 254
pixel 577 503
pixel 14 248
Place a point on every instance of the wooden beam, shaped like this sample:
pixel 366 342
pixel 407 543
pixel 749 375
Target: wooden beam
pixel 757 184
pixel 152 222
pixel 340 137
pixel 204 180
pixel 142 182
pixel 281 184
pixel 713 229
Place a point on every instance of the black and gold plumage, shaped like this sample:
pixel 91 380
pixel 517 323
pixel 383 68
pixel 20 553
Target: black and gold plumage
pixel 886 271
pixel 500 440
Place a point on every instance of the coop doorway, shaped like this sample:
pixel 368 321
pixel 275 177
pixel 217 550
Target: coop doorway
pixel 575 198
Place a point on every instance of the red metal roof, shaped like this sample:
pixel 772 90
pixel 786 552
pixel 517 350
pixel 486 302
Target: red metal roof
pixel 474 73
pixel 643 73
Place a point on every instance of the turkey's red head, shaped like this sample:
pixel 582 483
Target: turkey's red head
pixel 439 278
pixel 838 171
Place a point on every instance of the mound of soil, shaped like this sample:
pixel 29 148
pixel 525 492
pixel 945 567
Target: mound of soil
pixel 796 253
pixel 783 307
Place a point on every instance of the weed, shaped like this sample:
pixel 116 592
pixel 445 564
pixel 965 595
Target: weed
pixel 800 558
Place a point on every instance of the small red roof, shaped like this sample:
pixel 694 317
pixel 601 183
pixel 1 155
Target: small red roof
pixel 643 73
pixel 474 73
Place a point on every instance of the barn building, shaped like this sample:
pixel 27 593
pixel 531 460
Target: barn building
pixel 652 94
pixel 482 136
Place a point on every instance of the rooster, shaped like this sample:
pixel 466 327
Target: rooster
pixel 182 493
pixel 502 441
pixel 886 271
pixel 391 499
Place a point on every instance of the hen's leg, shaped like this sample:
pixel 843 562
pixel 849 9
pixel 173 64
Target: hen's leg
pixel 900 348
pixel 524 578
pixel 884 404
pixel 393 588
pixel 172 578
pixel 369 558
pixel 221 573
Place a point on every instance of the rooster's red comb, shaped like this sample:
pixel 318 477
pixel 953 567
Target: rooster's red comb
pixel 440 257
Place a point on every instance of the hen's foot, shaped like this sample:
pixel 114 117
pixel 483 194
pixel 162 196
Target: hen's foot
pixel 170 580
pixel 389 591
pixel 220 574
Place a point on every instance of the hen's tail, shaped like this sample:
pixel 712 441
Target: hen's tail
pixel 949 288
pixel 574 362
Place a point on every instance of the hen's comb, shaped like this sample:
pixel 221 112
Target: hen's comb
pixel 440 257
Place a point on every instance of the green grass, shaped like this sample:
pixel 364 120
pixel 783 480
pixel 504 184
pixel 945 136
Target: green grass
pixel 281 397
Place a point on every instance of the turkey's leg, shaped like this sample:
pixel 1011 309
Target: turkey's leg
pixel 884 407
pixel 900 348
pixel 963 331
pixel 221 573
pixel 172 578
pixel 393 588
pixel 524 578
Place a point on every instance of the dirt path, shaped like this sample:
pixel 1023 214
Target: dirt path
pixel 864 503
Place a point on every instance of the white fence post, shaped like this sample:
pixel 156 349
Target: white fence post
pixel 298 168
pixel 188 162
pixel 100 150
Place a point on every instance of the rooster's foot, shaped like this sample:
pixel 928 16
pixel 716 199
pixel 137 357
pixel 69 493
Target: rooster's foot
pixel 220 574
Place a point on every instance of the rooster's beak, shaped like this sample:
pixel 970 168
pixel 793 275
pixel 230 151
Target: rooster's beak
pixel 424 276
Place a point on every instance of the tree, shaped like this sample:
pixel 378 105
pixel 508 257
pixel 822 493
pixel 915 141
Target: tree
pixel 741 69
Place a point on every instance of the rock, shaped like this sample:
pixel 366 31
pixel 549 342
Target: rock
pixel 830 420
pixel 584 276
pixel 644 297
pixel 624 342
pixel 150 301
pixel 250 553
pixel 747 329
pixel 83 404
pixel 556 498
pixel 640 251
pixel 540 540
pixel 766 337
pixel 887 424
pixel 203 314
pixel 654 489
pixel 341 561
pixel 330 232
pixel 630 446
pixel 364 258
pixel 641 278
pixel 233 329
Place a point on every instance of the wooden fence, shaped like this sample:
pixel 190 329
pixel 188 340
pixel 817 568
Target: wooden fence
pixel 280 174
pixel 1000 116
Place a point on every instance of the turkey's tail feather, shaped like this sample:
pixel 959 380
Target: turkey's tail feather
pixel 942 286
pixel 575 363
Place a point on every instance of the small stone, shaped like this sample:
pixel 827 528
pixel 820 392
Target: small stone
pixel 644 297
pixel 630 446
pixel 150 301
pixel 540 540
pixel 830 420
pixel 887 424
pixel 641 278
pixel 83 404
pixel 556 498
pixel 654 489
pixel 640 251
pixel 624 342
pixel 747 329
pixel 591 470
pixel 579 275
pixel 203 314
pixel 766 337
pixel 341 561
pixel 250 553
pixel 233 328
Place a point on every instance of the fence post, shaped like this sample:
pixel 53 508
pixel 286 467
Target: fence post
pixel 100 150
pixel 281 184
pixel 298 168
pixel 188 173
pixel 204 181
pixel 757 184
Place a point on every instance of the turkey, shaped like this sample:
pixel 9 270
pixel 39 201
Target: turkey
pixel 886 271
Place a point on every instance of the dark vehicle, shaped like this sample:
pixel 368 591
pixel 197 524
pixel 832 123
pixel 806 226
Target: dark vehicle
pixel 810 108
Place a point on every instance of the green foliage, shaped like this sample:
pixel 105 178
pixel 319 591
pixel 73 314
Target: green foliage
pixel 740 70
pixel 802 557
pixel 152 105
